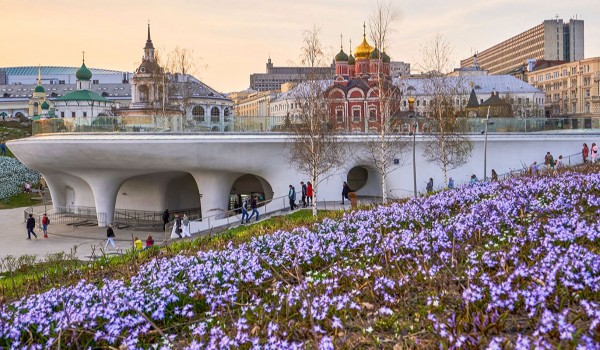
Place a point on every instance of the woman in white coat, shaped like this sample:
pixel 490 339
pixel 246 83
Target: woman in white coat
pixel 186 226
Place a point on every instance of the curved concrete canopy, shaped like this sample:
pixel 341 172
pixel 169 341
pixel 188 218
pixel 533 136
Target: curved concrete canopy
pixel 105 162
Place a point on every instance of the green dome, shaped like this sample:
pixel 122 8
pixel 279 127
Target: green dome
pixel 375 54
pixel 45 105
pixel 83 73
pixel 351 60
pixel 385 57
pixel 39 88
pixel 341 57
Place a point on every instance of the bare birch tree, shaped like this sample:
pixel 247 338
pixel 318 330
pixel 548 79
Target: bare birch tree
pixel 388 145
pixel 449 146
pixel 315 149
pixel 180 64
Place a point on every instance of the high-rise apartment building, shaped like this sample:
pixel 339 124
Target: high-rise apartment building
pixel 551 40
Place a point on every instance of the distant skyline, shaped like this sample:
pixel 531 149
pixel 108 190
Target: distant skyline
pixel 233 39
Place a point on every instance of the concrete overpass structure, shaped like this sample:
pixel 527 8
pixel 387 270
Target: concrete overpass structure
pixel 148 171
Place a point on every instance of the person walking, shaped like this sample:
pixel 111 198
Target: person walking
pixel 309 193
pixel 292 197
pixel 429 186
pixel 110 237
pixel 345 191
pixel 450 183
pixel 254 206
pixel 494 175
pixel 178 225
pixel 45 223
pixel 165 218
pixel 30 227
pixel 533 169
pixel 558 163
pixel 186 226
pixel 3 148
pixel 585 152
pixel 245 216
pixel 303 188
pixel 594 152
pixel 549 161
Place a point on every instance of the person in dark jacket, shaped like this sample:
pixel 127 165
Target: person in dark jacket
pixel 429 186
pixel 345 191
pixel 292 197
pixel 303 186
pixel 254 206
pixel 30 227
pixel 178 225
pixel 165 218
pixel 110 237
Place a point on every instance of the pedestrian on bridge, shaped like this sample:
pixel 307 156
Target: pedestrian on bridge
pixel 345 191
pixel 186 226
pixel 429 186
pixel 245 216
pixel 292 197
pixel 549 161
pixel 304 189
pixel 594 152
pixel 585 152
pixel 309 193
pixel 254 206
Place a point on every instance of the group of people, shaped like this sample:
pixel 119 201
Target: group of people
pixel 307 195
pixel 253 206
pixel 138 245
pixel 592 153
pixel 30 225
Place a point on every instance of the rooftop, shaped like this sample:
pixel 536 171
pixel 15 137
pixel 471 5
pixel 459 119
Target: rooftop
pixel 53 70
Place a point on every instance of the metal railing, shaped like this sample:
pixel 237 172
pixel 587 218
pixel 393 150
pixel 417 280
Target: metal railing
pixel 159 124
pixel 227 218
pixel 74 218
pixel 570 160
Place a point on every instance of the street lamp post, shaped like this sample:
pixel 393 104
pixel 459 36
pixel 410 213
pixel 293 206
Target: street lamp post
pixel 411 114
pixel 487 122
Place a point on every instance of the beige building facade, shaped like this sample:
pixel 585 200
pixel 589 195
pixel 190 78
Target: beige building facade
pixel 551 40
pixel 571 89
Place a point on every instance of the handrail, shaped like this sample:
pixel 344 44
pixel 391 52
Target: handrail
pixel 540 164
pixel 226 214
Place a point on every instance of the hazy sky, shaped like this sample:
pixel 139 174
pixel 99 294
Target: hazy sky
pixel 232 39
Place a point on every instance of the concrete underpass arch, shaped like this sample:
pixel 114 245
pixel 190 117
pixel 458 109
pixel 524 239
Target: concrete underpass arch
pixel 364 180
pixel 158 191
pixel 247 185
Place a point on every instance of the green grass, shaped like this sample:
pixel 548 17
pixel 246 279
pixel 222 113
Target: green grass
pixel 62 270
pixel 20 200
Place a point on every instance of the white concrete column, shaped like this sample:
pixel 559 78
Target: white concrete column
pixel 105 196
pixel 214 188
pixel 57 190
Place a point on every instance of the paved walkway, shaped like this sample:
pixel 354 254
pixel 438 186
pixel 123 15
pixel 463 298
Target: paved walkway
pixel 88 240
pixel 62 238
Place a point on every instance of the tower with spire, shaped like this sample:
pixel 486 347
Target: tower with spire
pixel 38 97
pixel 147 83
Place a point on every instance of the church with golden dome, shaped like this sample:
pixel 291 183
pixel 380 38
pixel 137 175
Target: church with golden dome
pixel 355 102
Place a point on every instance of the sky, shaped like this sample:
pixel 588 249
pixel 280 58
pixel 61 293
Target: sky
pixel 232 39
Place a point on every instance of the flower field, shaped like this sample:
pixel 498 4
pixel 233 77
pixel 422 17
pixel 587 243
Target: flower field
pixel 512 264
pixel 13 174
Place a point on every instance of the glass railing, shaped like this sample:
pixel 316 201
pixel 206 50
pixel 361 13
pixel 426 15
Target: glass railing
pixel 160 124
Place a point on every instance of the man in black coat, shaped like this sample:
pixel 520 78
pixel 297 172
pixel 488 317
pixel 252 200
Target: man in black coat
pixel 165 217
pixel 30 227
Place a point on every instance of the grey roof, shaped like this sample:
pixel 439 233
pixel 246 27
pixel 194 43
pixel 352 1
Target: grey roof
pixel 110 91
pixel 300 88
pixel 483 84
pixel 53 70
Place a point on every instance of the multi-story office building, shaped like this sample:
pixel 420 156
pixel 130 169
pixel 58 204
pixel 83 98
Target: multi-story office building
pixel 550 40
pixel 571 88
pixel 275 76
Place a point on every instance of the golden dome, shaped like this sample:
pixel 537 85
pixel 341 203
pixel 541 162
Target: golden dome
pixel 363 50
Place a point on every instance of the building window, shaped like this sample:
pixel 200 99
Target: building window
pixel 73 114
pixel 356 114
pixel 95 81
pixel 339 115
pixel 372 114
pixel 61 81
pixel 198 111
pixel 85 114
pixel 214 115
pixel 62 114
